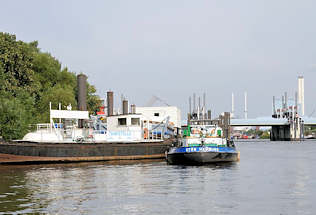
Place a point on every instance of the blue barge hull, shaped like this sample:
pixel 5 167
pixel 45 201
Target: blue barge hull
pixel 201 155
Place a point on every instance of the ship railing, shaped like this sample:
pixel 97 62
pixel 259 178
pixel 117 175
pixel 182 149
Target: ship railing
pixel 43 126
pixel 157 134
pixel 153 131
pixel 150 134
pixel 57 128
pixel 47 126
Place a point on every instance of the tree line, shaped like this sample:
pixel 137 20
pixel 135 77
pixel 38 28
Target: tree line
pixel 29 80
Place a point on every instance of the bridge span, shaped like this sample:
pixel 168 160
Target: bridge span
pixel 281 128
pixel 269 121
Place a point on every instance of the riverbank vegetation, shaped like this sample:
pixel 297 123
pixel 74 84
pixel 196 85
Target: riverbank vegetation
pixel 29 80
pixel 256 133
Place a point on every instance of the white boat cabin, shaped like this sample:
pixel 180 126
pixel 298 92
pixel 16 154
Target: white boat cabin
pixel 125 128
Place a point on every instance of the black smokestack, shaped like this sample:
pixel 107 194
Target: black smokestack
pixel 82 94
pixel 133 109
pixel 110 103
pixel 125 107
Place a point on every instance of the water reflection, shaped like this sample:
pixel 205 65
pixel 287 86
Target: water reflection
pixel 15 196
pixel 273 178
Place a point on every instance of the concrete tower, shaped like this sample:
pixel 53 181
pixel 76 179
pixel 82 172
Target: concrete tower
pixel 301 95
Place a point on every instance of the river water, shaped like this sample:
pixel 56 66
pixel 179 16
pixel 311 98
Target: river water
pixel 271 178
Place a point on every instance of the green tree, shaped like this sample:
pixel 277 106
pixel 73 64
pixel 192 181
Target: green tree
pixel 93 100
pixel 29 80
pixel 57 94
pixel 16 61
pixel 15 118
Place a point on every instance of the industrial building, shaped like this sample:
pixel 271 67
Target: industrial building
pixel 159 114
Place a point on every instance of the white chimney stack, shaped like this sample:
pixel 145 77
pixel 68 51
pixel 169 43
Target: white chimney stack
pixel 246 111
pixel 301 95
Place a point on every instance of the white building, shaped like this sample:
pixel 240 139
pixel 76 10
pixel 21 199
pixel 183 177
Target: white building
pixel 159 114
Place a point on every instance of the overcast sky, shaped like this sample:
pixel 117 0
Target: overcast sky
pixel 172 48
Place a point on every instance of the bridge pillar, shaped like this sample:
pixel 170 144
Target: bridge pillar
pixel 293 131
pixel 280 133
pixel 297 129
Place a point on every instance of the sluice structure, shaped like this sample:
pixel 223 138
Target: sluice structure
pixel 288 117
pixel 293 111
pixel 286 123
pixel 294 128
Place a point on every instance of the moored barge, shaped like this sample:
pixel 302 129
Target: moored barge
pixel 34 153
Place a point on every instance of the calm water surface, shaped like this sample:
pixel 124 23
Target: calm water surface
pixel 271 178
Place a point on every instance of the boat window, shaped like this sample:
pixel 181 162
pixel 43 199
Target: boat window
pixel 122 121
pixel 156 114
pixel 135 121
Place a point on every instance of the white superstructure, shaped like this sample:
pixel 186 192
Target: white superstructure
pixel 59 132
pixel 207 135
pixel 150 124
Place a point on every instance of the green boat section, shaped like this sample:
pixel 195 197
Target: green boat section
pixel 203 135
pixel 212 144
pixel 202 131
